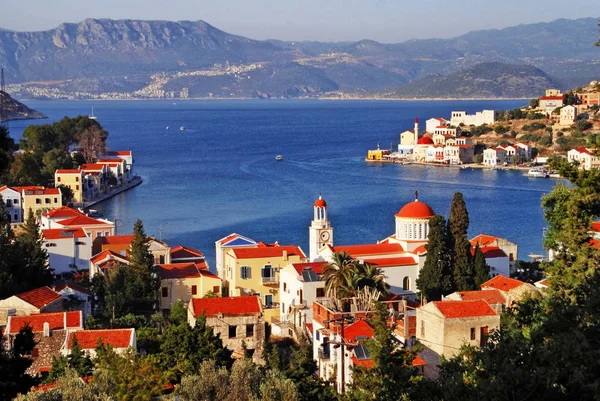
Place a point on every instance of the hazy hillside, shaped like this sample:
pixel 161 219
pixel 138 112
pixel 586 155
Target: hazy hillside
pixel 102 58
pixel 17 110
pixel 485 80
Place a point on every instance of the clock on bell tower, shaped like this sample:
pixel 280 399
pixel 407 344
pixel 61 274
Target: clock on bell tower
pixel 320 230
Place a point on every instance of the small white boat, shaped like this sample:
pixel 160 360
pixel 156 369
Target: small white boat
pixel 181 128
pixel 91 116
pixel 537 173
pixel 167 128
pixel 279 158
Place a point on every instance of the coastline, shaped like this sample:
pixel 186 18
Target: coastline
pixel 294 98
pixel 137 180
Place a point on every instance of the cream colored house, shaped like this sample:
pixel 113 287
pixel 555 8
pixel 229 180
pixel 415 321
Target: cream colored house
pixel 568 115
pixel 184 281
pixel 73 179
pixel 43 299
pixel 494 157
pixel 39 199
pixel 255 271
pixel 445 326
pixel 585 157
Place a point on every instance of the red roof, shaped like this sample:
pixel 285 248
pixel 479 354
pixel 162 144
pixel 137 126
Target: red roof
pixel 484 240
pixel 418 361
pixel 44 191
pixel 583 150
pixel 420 250
pixel 412 325
pixel 358 329
pixel 39 297
pixel 63 233
pixel 389 262
pixel 462 309
pixel 81 220
pixel 490 296
pixel 268 252
pixel 320 202
pixel 92 167
pixel 182 252
pixel 369 249
pixel 63 212
pixel 119 153
pixel 74 286
pixel 425 141
pixel 416 210
pixel 108 254
pixel 491 252
pixel 440 119
pixel 116 338
pixel 596 226
pixel 365 363
pixel 56 321
pixel 117 239
pixel 317 267
pixel 109 160
pixel 28 188
pixel 229 306
pixel 502 283
pixel 551 98
pixel 178 271
pixel 68 171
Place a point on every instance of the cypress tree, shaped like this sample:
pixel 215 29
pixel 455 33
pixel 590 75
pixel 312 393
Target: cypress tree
pixel 435 278
pixel 461 258
pixel 35 272
pixel 7 254
pixel 142 264
pixel 482 270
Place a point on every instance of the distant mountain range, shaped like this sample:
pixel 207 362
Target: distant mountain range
pixel 101 58
pixel 17 110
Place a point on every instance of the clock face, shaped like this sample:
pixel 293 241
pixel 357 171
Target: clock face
pixel 324 236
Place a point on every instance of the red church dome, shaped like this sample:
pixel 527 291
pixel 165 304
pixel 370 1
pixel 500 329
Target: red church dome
pixel 416 210
pixel 320 202
pixel 425 141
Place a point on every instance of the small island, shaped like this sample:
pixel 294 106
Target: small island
pixel 15 110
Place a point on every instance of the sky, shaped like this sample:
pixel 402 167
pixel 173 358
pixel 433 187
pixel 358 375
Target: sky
pixel 386 21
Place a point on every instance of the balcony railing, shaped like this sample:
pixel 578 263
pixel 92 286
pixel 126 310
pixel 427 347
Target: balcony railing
pixel 270 280
pixel 299 304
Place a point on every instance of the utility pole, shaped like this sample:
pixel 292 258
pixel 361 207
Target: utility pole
pixel 342 320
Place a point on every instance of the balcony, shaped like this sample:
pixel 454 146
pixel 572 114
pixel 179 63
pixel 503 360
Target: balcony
pixel 323 353
pixel 299 305
pixel 270 280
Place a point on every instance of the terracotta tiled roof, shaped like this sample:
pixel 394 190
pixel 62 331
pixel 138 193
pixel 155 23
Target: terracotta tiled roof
pixel 68 171
pixel 180 251
pixel 60 233
pixel 551 98
pixel 317 267
pixel 63 212
pixel 356 330
pixel 268 252
pixel 369 249
pixel 56 321
pixel 492 252
pixel 39 297
pixel 228 306
pixel 177 271
pixel 33 190
pixel 365 363
pixel 484 240
pixel 115 239
pixel 92 167
pixel 108 254
pixel 119 153
pixel 596 226
pixel 116 338
pixel 420 250
pixel 492 296
pixel 82 220
pixel 110 160
pixel 389 262
pixel 502 283
pixel 463 309
pixel 418 361
pixel 28 188
pixel 74 286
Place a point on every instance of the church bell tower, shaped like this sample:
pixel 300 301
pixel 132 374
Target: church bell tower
pixel 320 230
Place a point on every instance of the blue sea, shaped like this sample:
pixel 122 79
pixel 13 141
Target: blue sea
pixel 219 175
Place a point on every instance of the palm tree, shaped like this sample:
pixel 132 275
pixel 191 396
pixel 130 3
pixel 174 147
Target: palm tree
pixel 367 275
pixel 338 275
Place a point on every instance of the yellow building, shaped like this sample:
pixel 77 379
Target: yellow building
pixel 377 154
pixel 73 179
pixel 255 271
pixel 39 199
pixel 184 281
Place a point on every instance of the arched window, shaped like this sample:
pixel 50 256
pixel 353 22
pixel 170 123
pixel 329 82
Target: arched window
pixel 406 283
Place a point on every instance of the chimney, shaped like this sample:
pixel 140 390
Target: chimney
pixel 285 255
pixel 46 329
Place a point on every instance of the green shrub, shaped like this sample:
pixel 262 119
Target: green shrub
pixel 546 140
pixel 536 116
pixel 500 129
pixel 583 125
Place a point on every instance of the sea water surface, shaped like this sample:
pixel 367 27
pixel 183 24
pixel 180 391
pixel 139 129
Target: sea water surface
pixel 219 174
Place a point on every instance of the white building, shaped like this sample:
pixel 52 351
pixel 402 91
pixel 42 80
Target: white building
pixel 494 157
pixel 227 243
pixel 549 103
pixel 299 286
pixel 68 249
pixel 585 157
pixel 568 115
pixel 320 230
pixel 126 155
pixel 433 123
pixel 527 150
pixel 480 118
pixel 12 203
pixel 408 139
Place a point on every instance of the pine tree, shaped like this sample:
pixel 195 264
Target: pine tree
pixel 482 270
pixel 35 270
pixel 78 360
pixel 435 278
pixel 145 282
pixel 7 254
pixel 461 258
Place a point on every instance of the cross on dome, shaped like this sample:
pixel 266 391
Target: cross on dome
pixel 416 196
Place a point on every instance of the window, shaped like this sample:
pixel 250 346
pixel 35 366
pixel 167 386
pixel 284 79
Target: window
pixel 232 331
pixel 320 292
pixel 284 286
pixel 318 335
pixel 58 179
pixel 49 244
pixel 79 243
pixel 123 252
pixel 77 187
pixel 194 290
pixel 98 234
pixel 55 200
pixel 165 292
pixel 38 201
pixel 267 271
pixel 422 328
pixel 161 259
pixel 106 233
pixel 16 218
pixel 249 330
pixel 77 180
pixel 15 201
pixel 268 301
pixel 217 289
pixel 245 272
pixel 406 284
pixel 47 201
pixel 472 333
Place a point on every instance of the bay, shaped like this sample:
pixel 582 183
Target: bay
pixel 219 174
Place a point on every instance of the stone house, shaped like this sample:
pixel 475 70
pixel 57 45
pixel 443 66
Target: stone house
pixel 236 320
pixel 119 339
pixel 43 299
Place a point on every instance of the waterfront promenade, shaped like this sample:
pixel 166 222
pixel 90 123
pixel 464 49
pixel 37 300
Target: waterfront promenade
pixel 135 181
